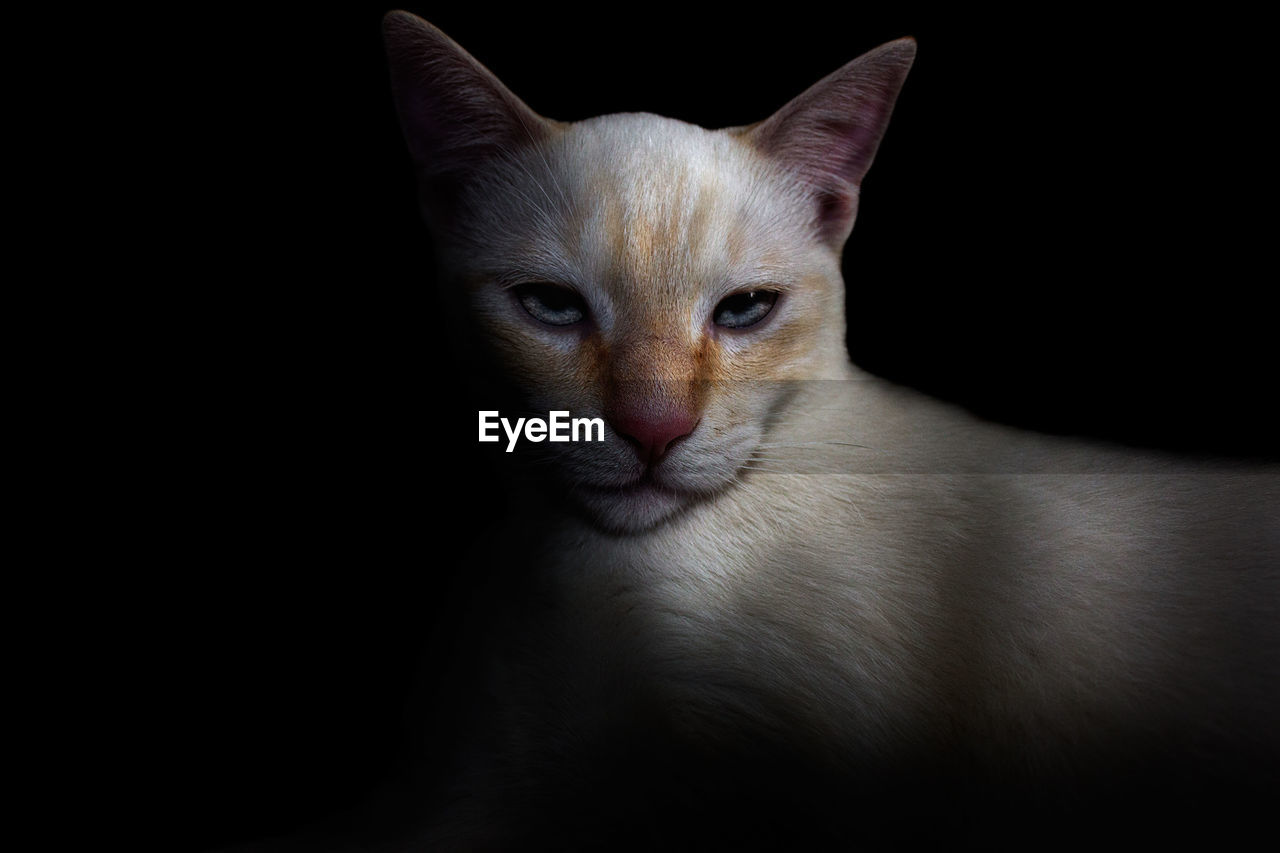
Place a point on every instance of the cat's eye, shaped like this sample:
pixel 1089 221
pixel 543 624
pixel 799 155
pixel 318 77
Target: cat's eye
pixel 744 309
pixel 551 303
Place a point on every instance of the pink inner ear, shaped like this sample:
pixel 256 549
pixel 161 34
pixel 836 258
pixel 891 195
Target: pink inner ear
pixel 829 134
pixel 834 210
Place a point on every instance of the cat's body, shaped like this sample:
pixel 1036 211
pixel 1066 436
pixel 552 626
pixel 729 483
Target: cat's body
pixel 782 584
pixel 1064 624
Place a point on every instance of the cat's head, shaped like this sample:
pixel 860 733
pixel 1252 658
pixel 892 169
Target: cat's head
pixel 666 278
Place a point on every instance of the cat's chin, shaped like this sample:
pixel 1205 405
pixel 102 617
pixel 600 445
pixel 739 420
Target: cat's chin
pixel 634 508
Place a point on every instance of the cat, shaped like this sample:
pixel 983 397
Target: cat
pixel 785 599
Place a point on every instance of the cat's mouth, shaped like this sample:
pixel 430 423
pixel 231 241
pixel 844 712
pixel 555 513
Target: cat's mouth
pixel 644 485
pixel 640 484
pixel 637 505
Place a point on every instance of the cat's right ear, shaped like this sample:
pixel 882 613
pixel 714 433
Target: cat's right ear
pixel 456 115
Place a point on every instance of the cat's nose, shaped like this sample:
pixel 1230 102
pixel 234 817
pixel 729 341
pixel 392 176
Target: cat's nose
pixel 652 435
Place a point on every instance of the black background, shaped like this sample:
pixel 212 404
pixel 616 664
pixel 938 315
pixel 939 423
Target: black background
pixel 1060 230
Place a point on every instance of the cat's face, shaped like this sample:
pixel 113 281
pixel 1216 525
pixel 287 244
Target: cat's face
pixel 657 275
pixel 663 277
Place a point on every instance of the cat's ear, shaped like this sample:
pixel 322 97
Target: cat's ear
pixel 455 113
pixel 828 136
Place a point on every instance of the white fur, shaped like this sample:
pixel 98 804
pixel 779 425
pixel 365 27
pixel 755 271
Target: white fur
pixel 857 570
pixel 828 562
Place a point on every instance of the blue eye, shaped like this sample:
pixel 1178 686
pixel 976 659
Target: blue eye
pixel 551 303
pixel 744 309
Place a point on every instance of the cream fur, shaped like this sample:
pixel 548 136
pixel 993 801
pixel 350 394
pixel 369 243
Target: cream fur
pixel 831 563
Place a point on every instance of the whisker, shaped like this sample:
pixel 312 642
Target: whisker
pixel 778 444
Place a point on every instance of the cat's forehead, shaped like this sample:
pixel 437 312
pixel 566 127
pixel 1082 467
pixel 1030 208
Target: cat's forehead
pixel 639 201
pixel 659 174
pixel 669 154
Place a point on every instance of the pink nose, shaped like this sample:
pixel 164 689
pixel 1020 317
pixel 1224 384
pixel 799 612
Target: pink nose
pixel 653 434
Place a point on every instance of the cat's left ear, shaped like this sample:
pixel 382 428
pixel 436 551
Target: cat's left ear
pixel 828 136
